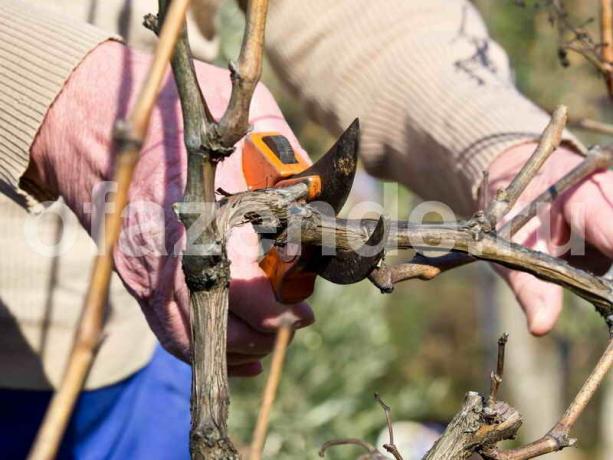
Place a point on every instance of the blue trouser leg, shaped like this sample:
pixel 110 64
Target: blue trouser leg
pixel 145 416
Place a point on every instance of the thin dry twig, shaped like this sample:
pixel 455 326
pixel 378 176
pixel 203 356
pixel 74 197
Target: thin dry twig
pixel 606 38
pixel 550 140
pixel 420 267
pixel 595 126
pixel 270 390
pixel 129 136
pixel 496 376
pixel 372 452
pixel 390 446
pixel 235 122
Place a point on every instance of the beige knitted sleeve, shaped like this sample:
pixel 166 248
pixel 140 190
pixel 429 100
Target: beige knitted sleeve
pixel 433 92
pixel 38 51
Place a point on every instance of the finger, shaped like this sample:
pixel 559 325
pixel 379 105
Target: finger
pixel 592 261
pixel 589 211
pixel 541 301
pixel 252 300
pixel 243 248
pixel 167 312
pixel 245 370
pixel 245 340
pixel 237 359
pixel 251 295
pixel 560 243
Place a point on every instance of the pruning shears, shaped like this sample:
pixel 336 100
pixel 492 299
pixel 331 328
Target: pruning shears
pixel 269 160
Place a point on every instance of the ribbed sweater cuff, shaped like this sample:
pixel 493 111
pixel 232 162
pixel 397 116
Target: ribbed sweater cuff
pixel 38 52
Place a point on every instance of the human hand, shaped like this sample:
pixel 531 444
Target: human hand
pixel 586 210
pixel 71 156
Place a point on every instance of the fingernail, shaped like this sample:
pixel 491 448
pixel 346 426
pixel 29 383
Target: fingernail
pixel 540 322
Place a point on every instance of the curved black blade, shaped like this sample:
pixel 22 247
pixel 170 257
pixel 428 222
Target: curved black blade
pixel 348 267
pixel 337 168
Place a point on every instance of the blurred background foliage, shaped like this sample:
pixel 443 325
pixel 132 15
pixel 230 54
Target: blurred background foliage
pixel 427 344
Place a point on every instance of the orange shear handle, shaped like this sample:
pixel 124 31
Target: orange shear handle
pixel 268 161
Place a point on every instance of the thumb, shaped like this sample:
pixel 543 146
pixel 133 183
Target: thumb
pixel 541 301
